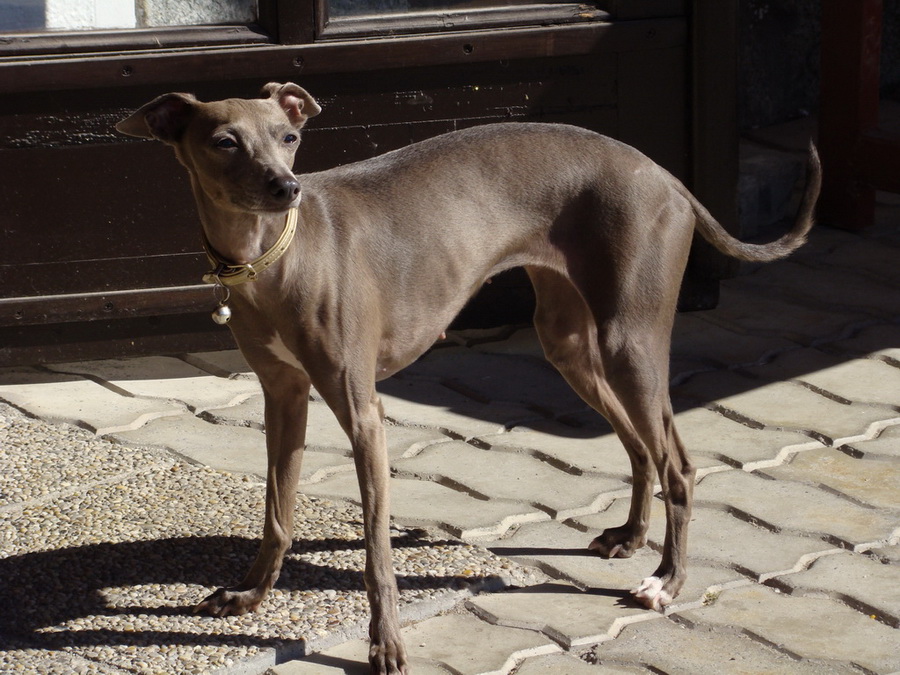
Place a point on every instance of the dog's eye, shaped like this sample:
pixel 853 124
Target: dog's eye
pixel 290 139
pixel 226 143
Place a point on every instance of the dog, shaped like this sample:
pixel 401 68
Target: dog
pixel 340 278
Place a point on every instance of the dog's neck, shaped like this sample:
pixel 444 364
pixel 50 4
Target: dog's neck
pixel 238 236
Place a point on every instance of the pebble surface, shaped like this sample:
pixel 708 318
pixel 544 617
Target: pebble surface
pixel 105 549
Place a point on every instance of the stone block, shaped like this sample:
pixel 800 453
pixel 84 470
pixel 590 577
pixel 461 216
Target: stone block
pixel 749 311
pixel 421 403
pixel 165 378
pixel 878 340
pixel 695 337
pixel 784 405
pixel 723 541
pixel 885 444
pixel 807 627
pixel 523 478
pixel 469 646
pixel 863 582
pixel 505 378
pixel 565 664
pixel 868 481
pixel 422 503
pixel 669 647
pixel 561 612
pixel 861 380
pixel 220 446
pixel 788 506
pixel 561 552
pixel 821 286
pixel 709 434
pixel 84 403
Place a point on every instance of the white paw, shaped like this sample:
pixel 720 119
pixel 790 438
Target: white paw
pixel 651 594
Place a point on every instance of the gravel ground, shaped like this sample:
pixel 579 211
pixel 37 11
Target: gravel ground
pixel 104 549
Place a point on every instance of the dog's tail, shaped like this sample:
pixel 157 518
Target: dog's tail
pixel 716 235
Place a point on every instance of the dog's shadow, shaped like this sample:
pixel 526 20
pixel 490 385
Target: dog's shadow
pixel 50 599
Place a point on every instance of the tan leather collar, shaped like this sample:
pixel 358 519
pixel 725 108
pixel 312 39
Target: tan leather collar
pixel 227 273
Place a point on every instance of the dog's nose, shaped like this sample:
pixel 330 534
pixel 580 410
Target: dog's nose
pixel 284 189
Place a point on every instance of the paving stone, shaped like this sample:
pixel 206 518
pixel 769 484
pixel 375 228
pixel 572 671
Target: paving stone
pixel 455 643
pixel 682 369
pixel 722 540
pixel 864 583
pixel 709 434
pixel 248 413
pixel 164 377
pixel 823 286
pixel 561 552
pixel 220 446
pixel 415 502
pixel 792 506
pixel 862 380
pixel 888 555
pixel 560 611
pixel 570 448
pixel 784 405
pixel 467 645
pixel 498 378
pixel 522 342
pixel 523 478
pixel 586 449
pixel 748 311
pixel 676 649
pixel 318 466
pixel 879 340
pixel 324 434
pixel 564 664
pixel 886 444
pixel 859 258
pixel 696 337
pixel 224 363
pixel 869 480
pixel 349 658
pixel 815 628
pixel 427 404
pixel 74 400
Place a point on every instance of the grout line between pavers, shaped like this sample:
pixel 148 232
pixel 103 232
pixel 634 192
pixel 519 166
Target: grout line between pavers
pixel 785 455
pixel 802 565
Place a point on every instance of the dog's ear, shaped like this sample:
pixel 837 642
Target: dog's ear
pixel 294 100
pixel 164 118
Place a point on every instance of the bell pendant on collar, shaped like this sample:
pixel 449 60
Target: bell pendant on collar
pixel 222 314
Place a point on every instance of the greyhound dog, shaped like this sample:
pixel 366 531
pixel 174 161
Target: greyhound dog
pixel 341 278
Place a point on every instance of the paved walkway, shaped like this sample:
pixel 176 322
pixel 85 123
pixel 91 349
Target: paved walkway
pixel 788 395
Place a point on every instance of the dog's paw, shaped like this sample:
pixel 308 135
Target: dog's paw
pixel 650 593
pixel 617 542
pixel 226 602
pixel 388 658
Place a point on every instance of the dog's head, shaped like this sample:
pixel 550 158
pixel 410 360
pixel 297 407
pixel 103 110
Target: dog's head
pixel 239 152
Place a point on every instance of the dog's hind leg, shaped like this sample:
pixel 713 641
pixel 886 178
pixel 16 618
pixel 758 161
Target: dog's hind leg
pixel 568 336
pixel 621 371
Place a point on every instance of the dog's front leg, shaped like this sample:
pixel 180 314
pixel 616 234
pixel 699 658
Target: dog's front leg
pixel 287 402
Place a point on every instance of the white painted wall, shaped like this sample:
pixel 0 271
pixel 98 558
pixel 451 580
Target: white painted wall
pixel 82 14
pixel 88 14
pixel 194 12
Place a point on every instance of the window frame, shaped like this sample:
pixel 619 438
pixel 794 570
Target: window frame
pixel 298 23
